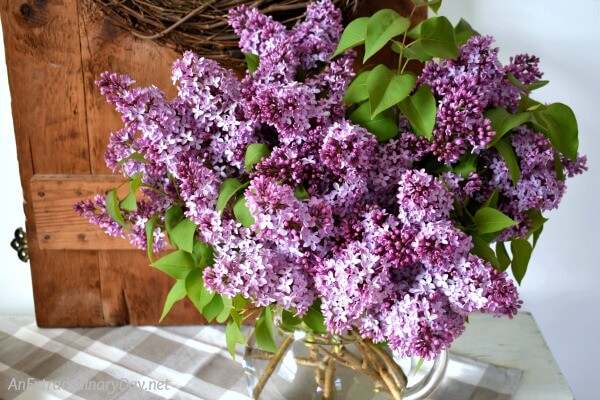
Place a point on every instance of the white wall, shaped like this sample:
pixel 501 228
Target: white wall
pixel 561 286
pixel 16 295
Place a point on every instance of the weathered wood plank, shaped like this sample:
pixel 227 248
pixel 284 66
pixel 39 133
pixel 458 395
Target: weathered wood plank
pixel 44 70
pixel 58 226
pixel 106 47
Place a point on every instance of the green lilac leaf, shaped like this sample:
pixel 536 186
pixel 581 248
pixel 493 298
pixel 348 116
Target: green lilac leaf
pixel 559 168
pixel 521 250
pixel 135 156
pixel 463 32
pixel 150 225
pixel 510 158
pixel 415 51
pixel 420 109
pixel 357 91
pixel 492 201
pixel 177 264
pixel 233 335
pixel 177 293
pixel 502 255
pixel 112 208
pixel 173 216
pixel 204 252
pixel 252 60
pixel 503 122
pixel 526 88
pixel 206 297
pixel 482 249
pixel 387 89
pixel 183 235
pixel 226 311
pixel 383 26
pixel 314 320
pixel 300 193
pixel 242 213
pixel 213 308
pixel 227 191
pixel 490 220
pixel 433 4
pixel 254 154
pixel 466 165
pixel 563 132
pixel 288 318
pixel 383 126
pixel 354 34
pixel 438 39
pixel 194 283
pixel 264 331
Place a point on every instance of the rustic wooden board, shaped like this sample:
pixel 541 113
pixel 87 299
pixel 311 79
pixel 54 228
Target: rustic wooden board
pixel 58 226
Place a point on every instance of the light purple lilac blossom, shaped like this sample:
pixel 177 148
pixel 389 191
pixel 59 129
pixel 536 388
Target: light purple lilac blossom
pixel 375 241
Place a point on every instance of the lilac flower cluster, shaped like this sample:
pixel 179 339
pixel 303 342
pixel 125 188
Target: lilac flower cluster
pixel 361 226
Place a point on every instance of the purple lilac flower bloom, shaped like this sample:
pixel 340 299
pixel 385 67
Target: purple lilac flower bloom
pixel 365 227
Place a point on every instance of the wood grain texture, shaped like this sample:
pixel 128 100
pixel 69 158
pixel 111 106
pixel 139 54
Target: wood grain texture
pixel 58 226
pixel 44 71
pixel 105 47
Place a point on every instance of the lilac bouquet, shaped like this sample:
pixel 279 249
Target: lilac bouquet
pixel 379 204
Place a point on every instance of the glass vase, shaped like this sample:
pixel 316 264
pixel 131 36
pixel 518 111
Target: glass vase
pixel 315 367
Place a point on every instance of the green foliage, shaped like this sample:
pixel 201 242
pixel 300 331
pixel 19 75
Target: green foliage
pixel 503 122
pixel 150 225
pixel 384 126
pixel 177 264
pixel 289 319
pixel 413 51
pixel 490 220
pixel 510 158
pixel 559 168
pixel 264 331
pixel 526 88
pixel 204 252
pixel 194 282
pixel 482 249
pixel 383 26
pixel 183 235
pixel 561 126
pixel 173 216
pixel 129 203
pixel 314 319
pixel 433 4
pixel 252 60
pixel 233 336
pixel 254 154
pixel 421 110
pixel 229 188
pixel 176 294
pixel 226 311
pixel 134 156
pixel 503 257
pixel 357 91
pixel 438 39
pixel 354 34
pixel 213 308
pixel 466 164
pixel 521 250
pixel 300 193
pixel 112 208
pixel 387 89
pixel 242 213
pixel 463 31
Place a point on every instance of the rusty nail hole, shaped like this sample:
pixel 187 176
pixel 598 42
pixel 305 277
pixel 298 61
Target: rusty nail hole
pixel 78 193
pixel 81 236
pixel 41 194
pixel 26 10
pixel 46 237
